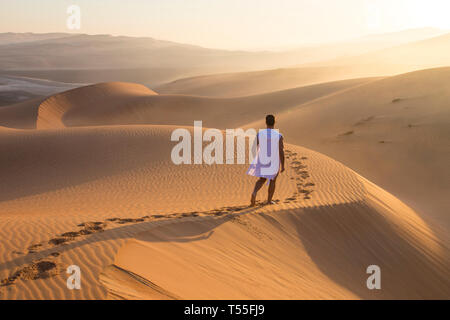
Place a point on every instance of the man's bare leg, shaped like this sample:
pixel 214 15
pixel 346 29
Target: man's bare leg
pixel 258 186
pixel 271 190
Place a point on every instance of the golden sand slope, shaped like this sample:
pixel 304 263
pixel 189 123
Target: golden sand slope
pixel 317 242
pixel 376 62
pixel 118 103
pixel 384 129
pixel 83 106
pixel 77 195
pixel 22 115
pixel 393 131
pixel 126 103
pixel 252 83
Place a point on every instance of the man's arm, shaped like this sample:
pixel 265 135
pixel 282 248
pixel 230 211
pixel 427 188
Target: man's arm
pixel 281 147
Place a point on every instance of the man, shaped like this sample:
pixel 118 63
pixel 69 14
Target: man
pixel 266 164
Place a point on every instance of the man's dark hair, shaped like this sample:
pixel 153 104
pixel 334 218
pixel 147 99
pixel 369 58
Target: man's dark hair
pixel 270 120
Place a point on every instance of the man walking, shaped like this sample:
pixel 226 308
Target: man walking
pixel 269 159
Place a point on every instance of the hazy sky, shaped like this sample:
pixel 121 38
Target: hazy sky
pixel 231 24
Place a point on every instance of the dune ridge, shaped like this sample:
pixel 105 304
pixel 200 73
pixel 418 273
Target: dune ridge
pixel 125 103
pixel 392 121
pixel 324 217
pixel 90 99
pixel 240 84
pixel 294 250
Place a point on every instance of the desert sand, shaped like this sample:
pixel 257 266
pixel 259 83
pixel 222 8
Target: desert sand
pixel 241 84
pixel 87 180
pixel 119 103
pixel 394 131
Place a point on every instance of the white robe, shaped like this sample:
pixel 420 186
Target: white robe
pixel 267 161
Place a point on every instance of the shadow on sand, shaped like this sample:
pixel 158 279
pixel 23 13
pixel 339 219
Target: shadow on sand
pixel 342 240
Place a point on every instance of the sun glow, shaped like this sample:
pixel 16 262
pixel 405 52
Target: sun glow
pixel 231 24
pixel 384 15
pixel 431 13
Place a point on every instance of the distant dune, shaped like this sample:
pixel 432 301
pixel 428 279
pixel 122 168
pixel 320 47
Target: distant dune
pixel 424 54
pixel 252 83
pixel 123 103
pixel 22 115
pixel 374 63
pixel 13 38
pixel 147 76
pixel 126 103
pixel 89 105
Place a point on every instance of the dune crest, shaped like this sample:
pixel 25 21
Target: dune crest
pixel 329 224
pixel 317 246
pixel 128 103
pixel 241 84
pixel 86 103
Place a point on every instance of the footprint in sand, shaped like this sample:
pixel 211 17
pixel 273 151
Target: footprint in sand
pixel 32 248
pixel 40 269
pixel 300 175
pixel 44 268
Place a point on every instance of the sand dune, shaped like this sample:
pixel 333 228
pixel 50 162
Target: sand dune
pixel 22 115
pixel 125 103
pixel 286 254
pixel 88 103
pixel 252 83
pixel 377 63
pixel 94 186
pixel 12 37
pixel 151 77
pixel 396 123
pixel 394 131
pixel 76 195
